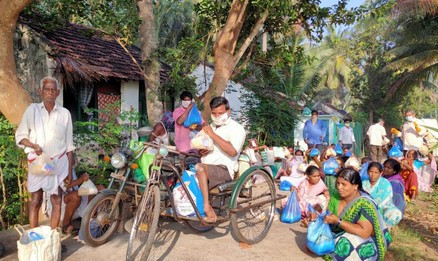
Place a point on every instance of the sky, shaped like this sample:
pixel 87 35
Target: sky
pixel 351 3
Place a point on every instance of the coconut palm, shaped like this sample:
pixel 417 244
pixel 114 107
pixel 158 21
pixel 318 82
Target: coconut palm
pixel 416 50
pixel 331 68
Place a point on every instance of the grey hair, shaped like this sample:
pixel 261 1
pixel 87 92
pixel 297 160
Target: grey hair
pixel 410 111
pixel 48 79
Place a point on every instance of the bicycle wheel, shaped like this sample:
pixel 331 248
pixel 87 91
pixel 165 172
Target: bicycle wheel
pixel 197 226
pixel 96 226
pixel 144 226
pixel 251 224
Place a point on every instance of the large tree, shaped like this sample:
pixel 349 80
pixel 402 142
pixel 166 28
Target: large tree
pixel 13 98
pixel 238 28
pixel 151 65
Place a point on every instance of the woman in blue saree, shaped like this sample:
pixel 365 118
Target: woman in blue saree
pixel 380 190
pixel 360 232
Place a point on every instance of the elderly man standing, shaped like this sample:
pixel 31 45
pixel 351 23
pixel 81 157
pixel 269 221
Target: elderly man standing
pixel 47 128
pixel 376 135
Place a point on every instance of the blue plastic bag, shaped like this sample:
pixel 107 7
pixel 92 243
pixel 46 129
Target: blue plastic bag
pixel 319 237
pixel 348 153
pixel 338 149
pixel 314 152
pixel 395 152
pixel 329 166
pixel 285 185
pixel 291 212
pixel 194 117
pixel 398 143
pixel 181 200
pixel 364 171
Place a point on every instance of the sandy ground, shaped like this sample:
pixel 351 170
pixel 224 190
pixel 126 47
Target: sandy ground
pixel 177 242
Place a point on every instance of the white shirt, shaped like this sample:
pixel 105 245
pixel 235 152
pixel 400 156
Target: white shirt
pixel 412 140
pixel 234 133
pixel 58 130
pixel 375 134
pixel 346 135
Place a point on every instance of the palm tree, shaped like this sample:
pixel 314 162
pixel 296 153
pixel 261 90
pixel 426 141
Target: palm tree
pixel 332 68
pixel 416 50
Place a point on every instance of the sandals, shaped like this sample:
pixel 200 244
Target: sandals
pixel 69 229
pixel 210 219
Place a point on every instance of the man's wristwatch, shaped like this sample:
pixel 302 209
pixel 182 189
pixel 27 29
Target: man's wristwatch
pixel 339 222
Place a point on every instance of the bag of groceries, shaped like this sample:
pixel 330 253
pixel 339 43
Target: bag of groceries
pixel 202 142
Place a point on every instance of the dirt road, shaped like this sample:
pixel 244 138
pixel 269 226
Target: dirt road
pixel 176 242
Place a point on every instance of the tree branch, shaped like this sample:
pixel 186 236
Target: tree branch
pixel 255 30
pixel 11 10
pixel 229 34
pixel 393 87
pixel 132 58
pixel 245 63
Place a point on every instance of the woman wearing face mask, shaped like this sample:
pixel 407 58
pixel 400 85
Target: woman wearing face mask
pixel 292 166
pixel 182 134
pixel 380 190
pixel 360 232
pixel 346 135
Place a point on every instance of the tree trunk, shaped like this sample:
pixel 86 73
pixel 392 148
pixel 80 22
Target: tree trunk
pixel 225 55
pixel 224 66
pixel 151 66
pixel 14 99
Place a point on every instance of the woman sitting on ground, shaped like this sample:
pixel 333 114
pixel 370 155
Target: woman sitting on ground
pixel 360 232
pixel 312 191
pixel 391 169
pixel 291 165
pixel 380 190
pixel 408 174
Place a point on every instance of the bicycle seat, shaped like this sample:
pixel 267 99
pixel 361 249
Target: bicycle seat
pixel 227 186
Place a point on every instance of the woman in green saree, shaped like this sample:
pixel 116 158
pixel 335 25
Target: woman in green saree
pixel 360 232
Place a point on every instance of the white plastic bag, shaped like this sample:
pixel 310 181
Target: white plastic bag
pixel 39 244
pixel 202 142
pixel 278 152
pixel 87 188
pixel 42 165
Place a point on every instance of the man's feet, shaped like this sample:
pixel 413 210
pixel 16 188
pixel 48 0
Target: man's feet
pixel 69 229
pixel 210 215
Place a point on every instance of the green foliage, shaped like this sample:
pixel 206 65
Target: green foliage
pixel 102 136
pixel 11 171
pixel 105 132
pixel 183 60
pixel 117 17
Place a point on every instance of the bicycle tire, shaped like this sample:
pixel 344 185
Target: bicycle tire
pixel 145 225
pixel 244 222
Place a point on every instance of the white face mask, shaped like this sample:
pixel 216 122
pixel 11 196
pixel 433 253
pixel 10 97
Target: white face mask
pixel 347 124
pixel 409 118
pixel 185 104
pixel 220 120
pixel 299 158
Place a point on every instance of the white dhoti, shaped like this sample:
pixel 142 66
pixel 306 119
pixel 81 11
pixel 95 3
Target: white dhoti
pixel 50 183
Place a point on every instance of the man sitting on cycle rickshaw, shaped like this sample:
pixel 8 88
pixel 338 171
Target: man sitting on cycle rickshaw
pixel 218 165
